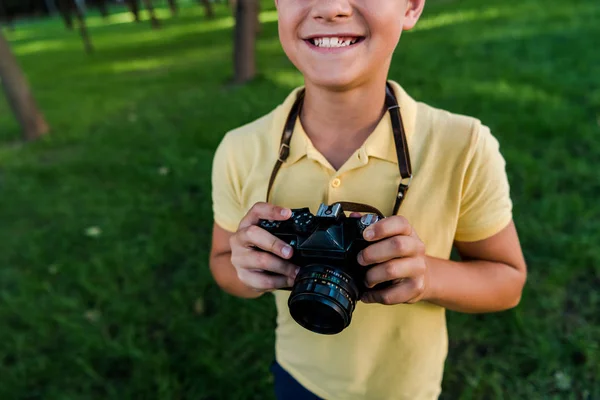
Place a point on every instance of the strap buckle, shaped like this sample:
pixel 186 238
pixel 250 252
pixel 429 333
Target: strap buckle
pixel 404 185
pixel 408 181
pixel 284 152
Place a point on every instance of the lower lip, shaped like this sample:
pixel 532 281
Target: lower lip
pixel 333 50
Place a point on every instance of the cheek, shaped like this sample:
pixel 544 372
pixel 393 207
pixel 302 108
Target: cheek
pixel 284 26
pixel 387 32
pixel 287 26
pixel 386 21
pixel 287 38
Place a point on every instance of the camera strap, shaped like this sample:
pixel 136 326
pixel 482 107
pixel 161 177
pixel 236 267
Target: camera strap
pixel 359 207
pixel 402 153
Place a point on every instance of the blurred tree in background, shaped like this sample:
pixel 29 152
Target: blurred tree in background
pixel 153 18
pixel 19 95
pixel 103 8
pixel 65 11
pixel 208 8
pixel 134 7
pixel 247 26
pixel 173 7
pixel 72 6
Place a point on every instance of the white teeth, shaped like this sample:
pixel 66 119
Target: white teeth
pixel 333 42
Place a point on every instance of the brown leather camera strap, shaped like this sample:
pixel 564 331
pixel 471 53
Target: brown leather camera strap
pixel 359 207
pixel 286 137
pixel 402 153
pixel 401 147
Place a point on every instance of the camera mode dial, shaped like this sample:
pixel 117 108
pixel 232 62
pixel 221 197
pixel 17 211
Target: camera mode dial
pixel 303 221
pixel 269 224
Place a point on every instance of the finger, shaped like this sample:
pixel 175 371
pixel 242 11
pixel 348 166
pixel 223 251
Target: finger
pixel 261 281
pixel 262 210
pixel 387 249
pixel 271 263
pixel 399 268
pixel 255 236
pixel 408 291
pixel 260 260
pixel 355 214
pixel 387 227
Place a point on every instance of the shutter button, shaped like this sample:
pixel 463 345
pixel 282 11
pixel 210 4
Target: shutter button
pixel 336 183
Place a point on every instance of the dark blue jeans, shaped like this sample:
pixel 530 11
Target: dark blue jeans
pixel 287 388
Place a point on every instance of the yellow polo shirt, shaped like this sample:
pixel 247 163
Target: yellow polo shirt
pixel 459 192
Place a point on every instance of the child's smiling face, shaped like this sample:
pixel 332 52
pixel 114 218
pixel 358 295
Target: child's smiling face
pixel 343 43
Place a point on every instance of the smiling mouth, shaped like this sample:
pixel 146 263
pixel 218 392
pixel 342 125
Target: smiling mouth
pixel 329 42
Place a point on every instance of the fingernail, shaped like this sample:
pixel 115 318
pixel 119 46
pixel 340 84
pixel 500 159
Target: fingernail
pixel 286 251
pixel 360 258
pixel 284 212
pixel 369 234
pixel 296 272
pixel 364 299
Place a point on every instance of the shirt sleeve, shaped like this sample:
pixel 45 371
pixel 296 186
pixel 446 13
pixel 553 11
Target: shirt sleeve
pixel 226 187
pixel 486 206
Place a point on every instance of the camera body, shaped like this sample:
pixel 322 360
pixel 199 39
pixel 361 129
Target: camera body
pixel 330 280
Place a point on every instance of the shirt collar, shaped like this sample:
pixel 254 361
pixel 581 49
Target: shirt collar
pixel 380 143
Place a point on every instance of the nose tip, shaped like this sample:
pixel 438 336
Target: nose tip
pixel 331 10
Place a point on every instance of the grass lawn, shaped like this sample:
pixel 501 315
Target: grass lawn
pixel 105 225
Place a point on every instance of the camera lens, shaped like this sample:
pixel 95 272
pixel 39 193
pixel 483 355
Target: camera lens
pixel 322 299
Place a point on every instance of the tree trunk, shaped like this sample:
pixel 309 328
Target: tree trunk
pixel 208 9
pixel 173 7
pixel 19 95
pixel 233 6
pixel 51 7
pixel 65 12
pixel 87 43
pixel 245 41
pixel 81 5
pixel 134 7
pixel 150 8
pixel 103 8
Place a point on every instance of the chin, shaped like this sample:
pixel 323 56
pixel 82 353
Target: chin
pixel 333 81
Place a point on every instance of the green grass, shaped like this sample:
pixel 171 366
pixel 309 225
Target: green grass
pixel 105 225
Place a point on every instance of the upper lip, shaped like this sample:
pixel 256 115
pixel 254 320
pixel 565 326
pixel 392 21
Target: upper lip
pixel 323 35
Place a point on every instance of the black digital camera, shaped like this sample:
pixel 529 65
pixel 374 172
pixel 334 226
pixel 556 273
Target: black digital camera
pixel 330 280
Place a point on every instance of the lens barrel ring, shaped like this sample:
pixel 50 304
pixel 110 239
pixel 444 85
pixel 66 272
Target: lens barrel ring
pixel 323 299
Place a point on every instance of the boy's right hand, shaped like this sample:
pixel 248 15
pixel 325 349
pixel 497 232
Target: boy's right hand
pixel 268 269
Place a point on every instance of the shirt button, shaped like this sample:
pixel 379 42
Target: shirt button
pixel 336 182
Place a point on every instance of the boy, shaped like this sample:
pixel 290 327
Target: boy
pixel 343 149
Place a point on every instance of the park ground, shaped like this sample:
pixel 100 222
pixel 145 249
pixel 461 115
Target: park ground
pixel 105 224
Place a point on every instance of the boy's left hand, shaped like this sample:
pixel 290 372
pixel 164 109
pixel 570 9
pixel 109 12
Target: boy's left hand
pixel 399 258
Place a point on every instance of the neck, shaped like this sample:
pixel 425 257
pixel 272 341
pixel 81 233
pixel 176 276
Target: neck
pixel 329 116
